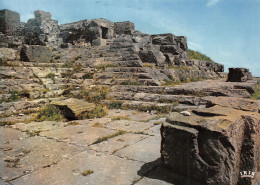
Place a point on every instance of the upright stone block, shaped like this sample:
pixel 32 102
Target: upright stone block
pixel 125 27
pixel 9 21
pixel 239 75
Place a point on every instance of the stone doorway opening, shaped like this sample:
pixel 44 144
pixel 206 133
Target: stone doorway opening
pixel 104 32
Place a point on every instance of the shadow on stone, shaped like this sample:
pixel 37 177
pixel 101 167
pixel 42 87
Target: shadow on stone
pixel 156 170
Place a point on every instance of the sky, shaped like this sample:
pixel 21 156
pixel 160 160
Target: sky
pixel 228 31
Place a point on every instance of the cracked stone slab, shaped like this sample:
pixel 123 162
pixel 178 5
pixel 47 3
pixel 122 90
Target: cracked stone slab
pixel 8 134
pixel 23 156
pixel 114 144
pixel 128 125
pixel 146 150
pixel 39 126
pixel 107 169
pixel 78 134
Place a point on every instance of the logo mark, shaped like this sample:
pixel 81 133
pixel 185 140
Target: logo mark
pixel 249 174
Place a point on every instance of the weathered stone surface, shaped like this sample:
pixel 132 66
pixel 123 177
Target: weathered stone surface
pixel 9 21
pixel 7 54
pixel 211 136
pixel 126 27
pixel 42 30
pixel 107 169
pixel 147 150
pixel 81 135
pixel 128 125
pixel 22 156
pixel 239 75
pixel 73 108
pixel 36 53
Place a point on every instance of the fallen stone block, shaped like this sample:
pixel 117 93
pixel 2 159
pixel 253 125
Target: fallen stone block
pixel 73 108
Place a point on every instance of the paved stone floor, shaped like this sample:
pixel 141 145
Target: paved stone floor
pixel 121 148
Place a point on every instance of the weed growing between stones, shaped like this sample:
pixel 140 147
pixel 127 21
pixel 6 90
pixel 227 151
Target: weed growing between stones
pixel 51 76
pixel 72 123
pixel 32 133
pixel 171 82
pixel 115 105
pixel 88 75
pixel 94 95
pixel 98 112
pixel 256 95
pixel 87 172
pixel 148 65
pixel 99 140
pixel 49 113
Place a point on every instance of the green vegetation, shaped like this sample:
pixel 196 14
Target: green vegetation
pixel 49 113
pixel 32 133
pixel 104 66
pixel 88 75
pixel 51 76
pixel 72 123
pixel 199 56
pixel 181 67
pixel 98 112
pixel 171 82
pixel 68 64
pixel 256 95
pixel 115 105
pixel 15 96
pixel 94 95
pixel 99 140
pixel 87 172
pixel 148 65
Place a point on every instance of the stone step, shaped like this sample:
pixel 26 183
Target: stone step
pixel 136 89
pixel 126 69
pixel 161 98
pixel 129 81
pixel 121 75
pixel 143 106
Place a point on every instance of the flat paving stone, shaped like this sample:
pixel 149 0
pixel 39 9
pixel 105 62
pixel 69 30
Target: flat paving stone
pixel 22 156
pixel 128 125
pixel 114 144
pixel 78 134
pixel 107 169
pixel 39 126
pixel 9 134
pixel 146 150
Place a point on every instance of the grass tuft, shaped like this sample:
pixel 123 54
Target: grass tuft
pixel 99 140
pixel 87 172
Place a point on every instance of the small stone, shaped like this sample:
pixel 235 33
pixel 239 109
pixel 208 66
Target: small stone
pixel 185 113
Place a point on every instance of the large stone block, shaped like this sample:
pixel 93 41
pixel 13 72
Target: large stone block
pixel 125 27
pixel 212 145
pixel 42 30
pixel 36 53
pixel 9 21
pixel 73 108
pixel 239 75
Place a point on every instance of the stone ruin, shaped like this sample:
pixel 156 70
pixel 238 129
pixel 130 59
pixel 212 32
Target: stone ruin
pixel 162 50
